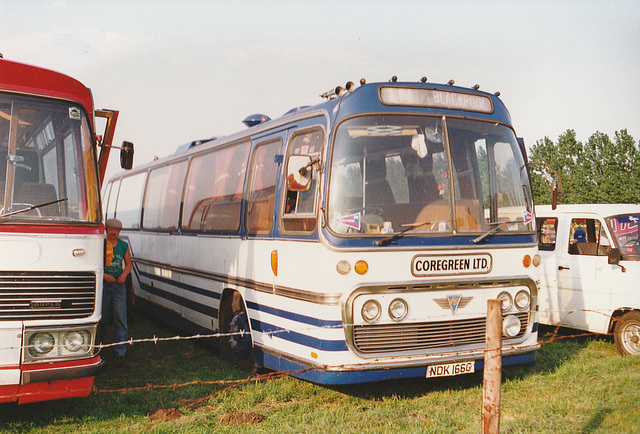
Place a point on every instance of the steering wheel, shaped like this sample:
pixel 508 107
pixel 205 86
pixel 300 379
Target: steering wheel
pixel 436 226
pixel 632 242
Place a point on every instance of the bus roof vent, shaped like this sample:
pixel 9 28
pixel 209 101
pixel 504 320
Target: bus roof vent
pixel 184 148
pixel 255 119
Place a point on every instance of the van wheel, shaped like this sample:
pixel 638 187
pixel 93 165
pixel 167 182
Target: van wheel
pixel 626 334
pixel 236 345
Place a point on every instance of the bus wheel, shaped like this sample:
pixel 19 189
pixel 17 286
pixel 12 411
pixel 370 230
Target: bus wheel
pixel 626 334
pixel 235 344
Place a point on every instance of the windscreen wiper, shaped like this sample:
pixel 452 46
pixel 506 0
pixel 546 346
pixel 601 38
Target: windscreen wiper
pixel 496 227
pixel 32 207
pixel 397 235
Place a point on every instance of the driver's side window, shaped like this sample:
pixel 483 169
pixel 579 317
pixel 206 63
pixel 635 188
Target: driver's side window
pixel 298 210
pixel 588 237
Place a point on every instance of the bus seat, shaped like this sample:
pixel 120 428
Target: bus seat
pixel 259 218
pixel 377 188
pixel 438 211
pixel 35 193
pixel 468 213
pixel 222 216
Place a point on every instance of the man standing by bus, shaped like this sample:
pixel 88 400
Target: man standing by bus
pixel 114 294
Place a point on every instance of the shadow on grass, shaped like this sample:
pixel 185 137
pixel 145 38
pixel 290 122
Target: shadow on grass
pixel 596 421
pixel 561 344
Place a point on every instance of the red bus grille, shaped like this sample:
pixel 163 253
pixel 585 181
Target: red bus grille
pixel 388 338
pixel 46 295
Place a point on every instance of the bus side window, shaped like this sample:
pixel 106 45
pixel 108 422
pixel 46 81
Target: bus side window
pixel 547 233
pixel 262 188
pixel 129 203
pixel 213 197
pixel 164 193
pixel 111 198
pixel 298 211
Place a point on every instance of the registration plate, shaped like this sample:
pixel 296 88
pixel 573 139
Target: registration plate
pixel 450 369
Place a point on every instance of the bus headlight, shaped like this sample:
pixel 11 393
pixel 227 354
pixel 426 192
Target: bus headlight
pixel 506 299
pixel 536 260
pixel 371 311
pixel 398 309
pixel 77 340
pixel 41 344
pixel 522 300
pixel 511 326
pixel 58 343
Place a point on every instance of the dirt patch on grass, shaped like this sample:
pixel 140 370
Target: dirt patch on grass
pixel 161 414
pixel 242 418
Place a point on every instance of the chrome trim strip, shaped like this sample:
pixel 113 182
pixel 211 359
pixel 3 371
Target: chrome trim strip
pixel 293 293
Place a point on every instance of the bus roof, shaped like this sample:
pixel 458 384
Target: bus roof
pixel 28 79
pixel 362 99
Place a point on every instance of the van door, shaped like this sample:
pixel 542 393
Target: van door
pixel 584 276
pixel 548 299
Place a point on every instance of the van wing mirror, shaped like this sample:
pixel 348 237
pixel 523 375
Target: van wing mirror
pixel 614 256
pixel 126 155
pixel 299 172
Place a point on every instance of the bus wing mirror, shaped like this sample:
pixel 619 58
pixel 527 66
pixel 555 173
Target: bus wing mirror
pixel 126 155
pixel 299 172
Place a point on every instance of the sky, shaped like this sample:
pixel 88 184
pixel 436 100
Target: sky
pixel 184 70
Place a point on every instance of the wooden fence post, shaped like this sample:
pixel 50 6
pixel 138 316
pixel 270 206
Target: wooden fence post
pixel 492 368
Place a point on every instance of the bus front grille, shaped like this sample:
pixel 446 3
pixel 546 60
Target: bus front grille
pixel 391 338
pixel 28 295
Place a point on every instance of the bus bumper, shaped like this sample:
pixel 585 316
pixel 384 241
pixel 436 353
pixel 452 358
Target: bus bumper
pixel 47 381
pixel 343 377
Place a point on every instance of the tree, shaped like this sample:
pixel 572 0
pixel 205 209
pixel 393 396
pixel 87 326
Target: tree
pixel 599 171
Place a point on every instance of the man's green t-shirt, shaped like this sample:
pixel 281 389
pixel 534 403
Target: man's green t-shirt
pixel 117 263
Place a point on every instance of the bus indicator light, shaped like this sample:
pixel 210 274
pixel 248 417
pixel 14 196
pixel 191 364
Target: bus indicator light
pixel 361 267
pixel 274 262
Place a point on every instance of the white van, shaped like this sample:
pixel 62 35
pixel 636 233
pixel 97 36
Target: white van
pixel 590 270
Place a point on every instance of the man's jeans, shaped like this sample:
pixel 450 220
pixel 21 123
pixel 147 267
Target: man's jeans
pixel 114 302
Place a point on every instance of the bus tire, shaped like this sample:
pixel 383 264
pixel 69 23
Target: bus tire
pixel 236 345
pixel 626 334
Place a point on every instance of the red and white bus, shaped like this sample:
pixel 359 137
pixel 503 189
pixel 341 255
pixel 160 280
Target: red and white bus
pixel 51 236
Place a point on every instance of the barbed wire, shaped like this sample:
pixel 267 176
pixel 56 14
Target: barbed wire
pixel 230 384
pixel 272 333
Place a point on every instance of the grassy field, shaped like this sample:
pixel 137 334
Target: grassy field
pixel 578 385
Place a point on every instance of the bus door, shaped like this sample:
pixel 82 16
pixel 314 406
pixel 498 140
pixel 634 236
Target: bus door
pixel 261 197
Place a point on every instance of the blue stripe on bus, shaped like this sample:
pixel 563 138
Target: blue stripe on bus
pixel 190 304
pixel 190 288
pixel 293 316
pixel 299 338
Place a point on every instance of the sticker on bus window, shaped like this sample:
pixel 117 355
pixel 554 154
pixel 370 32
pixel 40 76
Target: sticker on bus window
pixel 351 220
pixel 74 113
